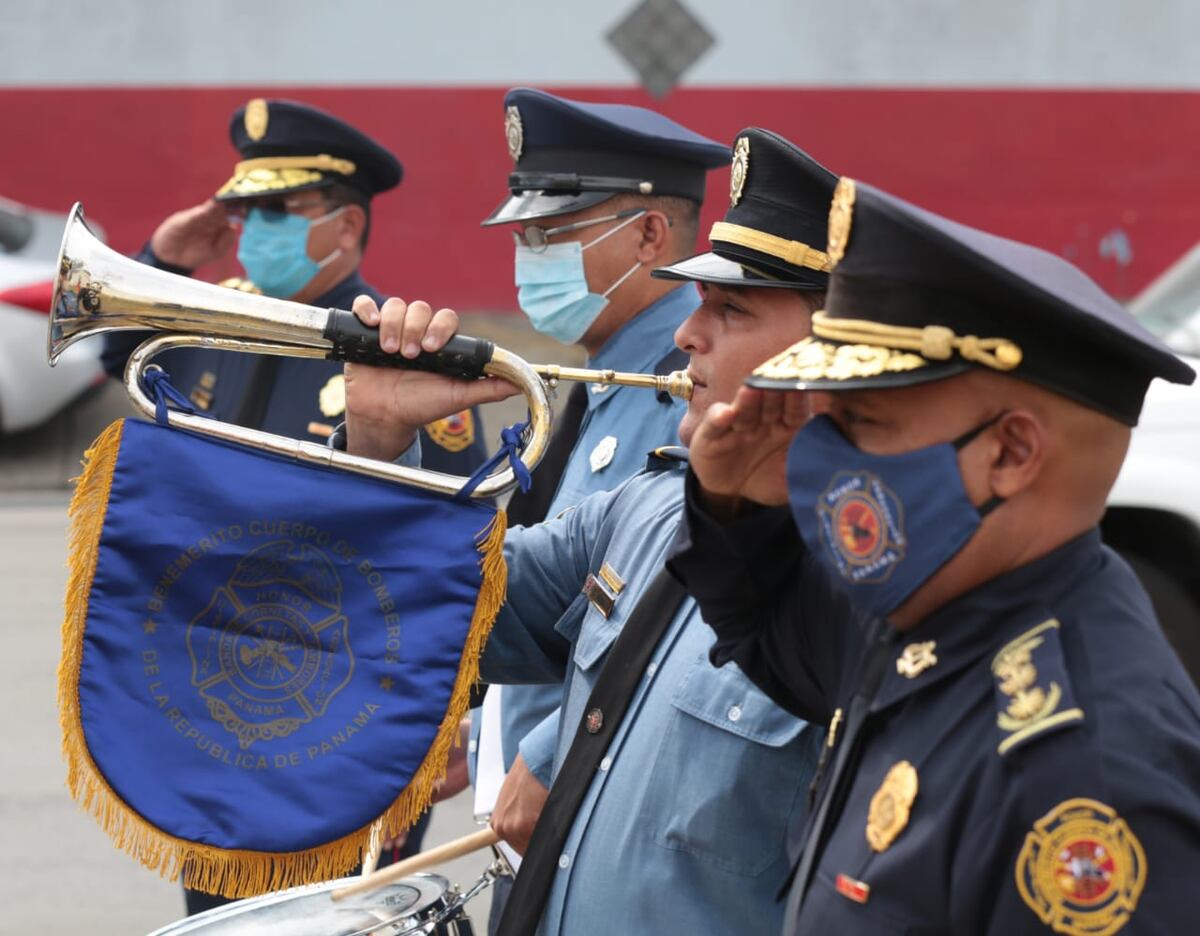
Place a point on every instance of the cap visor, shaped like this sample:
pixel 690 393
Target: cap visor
pixel 813 364
pixel 526 206
pixel 711 268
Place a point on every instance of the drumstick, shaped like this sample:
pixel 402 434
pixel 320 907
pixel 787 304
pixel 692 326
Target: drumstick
pixel 427 859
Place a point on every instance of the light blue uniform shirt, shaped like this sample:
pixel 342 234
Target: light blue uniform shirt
pixel 635 421
pixel 684 825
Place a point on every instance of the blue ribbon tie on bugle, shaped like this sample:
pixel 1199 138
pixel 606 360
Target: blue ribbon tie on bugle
pixel 261 658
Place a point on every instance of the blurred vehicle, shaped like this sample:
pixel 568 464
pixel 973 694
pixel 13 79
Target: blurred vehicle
pixel 30 392
pixel 1153 517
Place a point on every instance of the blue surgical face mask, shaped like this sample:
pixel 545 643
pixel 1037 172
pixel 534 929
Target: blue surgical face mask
pixel 273 250
pixel 881 525
pixel 552 288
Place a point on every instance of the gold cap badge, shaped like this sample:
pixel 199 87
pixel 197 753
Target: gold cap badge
pixel 738 169
pixel 514 133
pixel 891 805
pixel 256 118
pixel 841 213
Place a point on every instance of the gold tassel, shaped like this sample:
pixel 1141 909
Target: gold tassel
pixel 231 872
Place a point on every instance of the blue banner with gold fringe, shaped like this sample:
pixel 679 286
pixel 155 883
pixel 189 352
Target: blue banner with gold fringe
pixel 261 658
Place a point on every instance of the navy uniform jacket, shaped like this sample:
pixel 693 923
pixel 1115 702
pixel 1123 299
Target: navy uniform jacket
pixel 303 399
pixel 1031 758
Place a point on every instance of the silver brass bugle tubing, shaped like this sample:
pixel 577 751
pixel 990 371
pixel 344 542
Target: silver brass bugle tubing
pixel 98 290
pixel 676 383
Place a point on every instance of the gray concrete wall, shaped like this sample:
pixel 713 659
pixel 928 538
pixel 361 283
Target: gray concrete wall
pixel 1106 43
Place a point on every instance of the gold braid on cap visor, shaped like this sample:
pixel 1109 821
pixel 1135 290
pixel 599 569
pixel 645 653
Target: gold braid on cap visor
pixel 868 349
pixel 270 173
pixel 794 252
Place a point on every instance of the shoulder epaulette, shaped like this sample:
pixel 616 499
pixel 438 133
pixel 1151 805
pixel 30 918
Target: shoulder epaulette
pixel 1033 690
pixel 666 457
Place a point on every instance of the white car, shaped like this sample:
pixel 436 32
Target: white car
pixel 30 392
pixel 1153 517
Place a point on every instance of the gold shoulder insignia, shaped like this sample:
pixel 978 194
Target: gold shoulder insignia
pixel 1032 688
pixel 1081 869
pixel 454 433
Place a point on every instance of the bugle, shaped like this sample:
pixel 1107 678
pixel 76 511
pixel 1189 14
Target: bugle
pixel 98 290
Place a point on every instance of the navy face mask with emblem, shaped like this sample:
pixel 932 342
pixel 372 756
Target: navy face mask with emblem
pixel 880 524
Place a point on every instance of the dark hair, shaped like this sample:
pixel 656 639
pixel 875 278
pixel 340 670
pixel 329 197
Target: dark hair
pixel 340 194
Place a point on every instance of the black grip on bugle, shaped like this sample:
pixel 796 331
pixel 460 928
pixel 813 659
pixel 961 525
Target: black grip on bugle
pixel 462 356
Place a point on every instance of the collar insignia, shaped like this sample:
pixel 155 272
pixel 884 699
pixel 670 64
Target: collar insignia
pixel 916 658
pixel 891 806
pixel 1081 869
pixel 256 119
pixel 738 169
pixel 841 214
pixel 1032 689
pixel 514 133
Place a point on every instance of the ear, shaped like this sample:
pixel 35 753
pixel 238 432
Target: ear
pixel 655 229
pixel 1014 449
pixel 351 224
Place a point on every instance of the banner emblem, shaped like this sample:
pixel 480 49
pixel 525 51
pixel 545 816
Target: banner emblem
pixel 271 649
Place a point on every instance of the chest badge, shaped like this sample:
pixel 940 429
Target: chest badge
pixel 891 806
pixel 916 658
pixel 602 454
pixel 1081 869
pixel 332 398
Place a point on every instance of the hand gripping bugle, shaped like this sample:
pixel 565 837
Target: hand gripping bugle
pixel 99 290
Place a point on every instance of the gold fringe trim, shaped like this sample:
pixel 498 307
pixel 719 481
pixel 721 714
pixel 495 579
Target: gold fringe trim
pixel 238 873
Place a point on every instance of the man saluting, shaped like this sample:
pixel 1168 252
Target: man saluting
pixel 1013 747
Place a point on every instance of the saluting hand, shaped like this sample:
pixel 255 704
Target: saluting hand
pixel 386 406
pixel 739 450
pixel 195 236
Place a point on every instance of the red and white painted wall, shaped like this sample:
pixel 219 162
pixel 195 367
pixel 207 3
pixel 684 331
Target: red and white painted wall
pixel 1073 124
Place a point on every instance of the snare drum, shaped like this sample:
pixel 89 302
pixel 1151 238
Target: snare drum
pixel 424 904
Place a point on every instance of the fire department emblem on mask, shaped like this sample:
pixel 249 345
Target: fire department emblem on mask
pixel 862 524
pixel 1081 869
pixel 271 649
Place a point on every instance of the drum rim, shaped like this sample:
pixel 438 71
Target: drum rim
pixel 421 910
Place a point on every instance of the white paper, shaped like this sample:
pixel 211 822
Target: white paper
pixel 489 767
